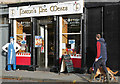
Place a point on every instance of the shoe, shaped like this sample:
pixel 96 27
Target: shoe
pixel 107 78
pixel 92 76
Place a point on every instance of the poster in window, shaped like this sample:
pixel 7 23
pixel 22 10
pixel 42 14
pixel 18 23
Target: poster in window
pixel 71 41
pixel 38 41
pixel 63 45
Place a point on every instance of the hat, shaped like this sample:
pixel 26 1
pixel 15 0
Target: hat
pixel 11 37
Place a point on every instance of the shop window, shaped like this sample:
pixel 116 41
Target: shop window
pixel 23 35
pixel 72 23
pixel 71 44
pixel 71 35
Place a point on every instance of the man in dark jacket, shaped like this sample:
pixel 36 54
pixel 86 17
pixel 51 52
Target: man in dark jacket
pixel 101 57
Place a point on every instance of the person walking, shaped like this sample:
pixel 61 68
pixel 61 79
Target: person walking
pixel 101 58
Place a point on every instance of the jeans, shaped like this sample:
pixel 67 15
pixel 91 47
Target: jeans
pixel 100 62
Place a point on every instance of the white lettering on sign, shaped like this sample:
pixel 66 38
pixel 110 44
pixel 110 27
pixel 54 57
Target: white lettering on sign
pixel 71 7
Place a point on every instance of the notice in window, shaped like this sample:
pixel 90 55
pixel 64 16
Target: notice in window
pixel 63 45
pixel 38 41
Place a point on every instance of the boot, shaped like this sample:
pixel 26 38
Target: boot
pixel 92 76
pixel 107 77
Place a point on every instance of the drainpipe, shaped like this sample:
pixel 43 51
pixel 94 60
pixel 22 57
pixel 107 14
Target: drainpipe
pixel 57 41
pixel 9 30
pixel 33 25
pixel 84 41
pixel 11 27
pixel 102 23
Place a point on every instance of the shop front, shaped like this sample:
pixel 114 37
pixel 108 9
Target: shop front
pixel 45 32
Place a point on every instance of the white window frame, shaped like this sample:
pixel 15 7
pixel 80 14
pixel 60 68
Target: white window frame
pixel 60 29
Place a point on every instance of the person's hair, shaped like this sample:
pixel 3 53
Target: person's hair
pixel 98 36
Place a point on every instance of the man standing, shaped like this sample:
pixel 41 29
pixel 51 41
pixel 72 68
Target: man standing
pixel 101 57
pixel 11 48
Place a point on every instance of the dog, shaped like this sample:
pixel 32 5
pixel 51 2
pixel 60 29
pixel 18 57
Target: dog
pixel 112 73
pixel 101 72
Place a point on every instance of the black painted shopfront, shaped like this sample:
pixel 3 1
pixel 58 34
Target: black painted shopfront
pixel 99 17
pixel 44 39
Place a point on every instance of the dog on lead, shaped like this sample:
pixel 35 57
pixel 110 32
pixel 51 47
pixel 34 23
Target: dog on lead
pixel 101 72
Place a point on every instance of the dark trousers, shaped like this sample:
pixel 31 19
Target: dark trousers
pixel 100 62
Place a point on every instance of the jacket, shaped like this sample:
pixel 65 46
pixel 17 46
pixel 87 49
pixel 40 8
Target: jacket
pixel 101 49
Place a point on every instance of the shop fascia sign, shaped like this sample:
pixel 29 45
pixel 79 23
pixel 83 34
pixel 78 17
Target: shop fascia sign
pixel 71 7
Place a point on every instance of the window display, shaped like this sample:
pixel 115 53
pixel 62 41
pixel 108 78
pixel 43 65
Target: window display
pixel 23 38
pixel 71 34
pixel 23 35
pixel 71 38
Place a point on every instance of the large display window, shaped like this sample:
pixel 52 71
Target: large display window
pixel 23 38
pixel 70 35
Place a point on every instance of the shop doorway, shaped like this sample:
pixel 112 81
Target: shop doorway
pixel 45 52
pixel 39 46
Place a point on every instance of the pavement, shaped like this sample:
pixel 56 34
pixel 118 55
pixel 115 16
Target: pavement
pixel 46 76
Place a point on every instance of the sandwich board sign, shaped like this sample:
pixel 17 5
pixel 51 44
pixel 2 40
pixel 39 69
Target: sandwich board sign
pixel 66 62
